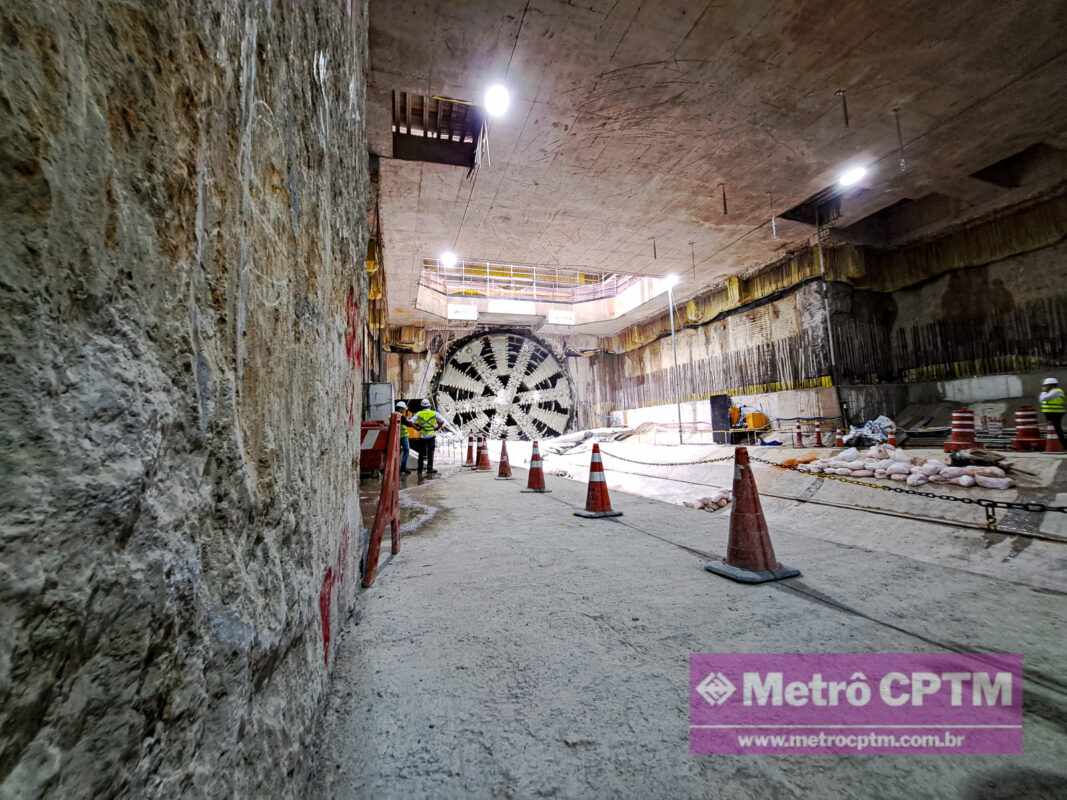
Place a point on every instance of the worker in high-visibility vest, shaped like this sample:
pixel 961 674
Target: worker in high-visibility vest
pixel 427 421
pixel 405 445
pixel 1053 406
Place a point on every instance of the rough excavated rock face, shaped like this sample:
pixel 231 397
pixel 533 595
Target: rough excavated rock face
pixel 182 217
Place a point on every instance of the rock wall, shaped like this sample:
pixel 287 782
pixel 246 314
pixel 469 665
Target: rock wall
pixel 182 206
pixel 1007 316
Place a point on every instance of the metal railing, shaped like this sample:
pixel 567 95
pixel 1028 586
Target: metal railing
pixel 496 280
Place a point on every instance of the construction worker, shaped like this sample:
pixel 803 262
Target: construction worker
pixel 405 445
pixel 427 421
pixel 1053 406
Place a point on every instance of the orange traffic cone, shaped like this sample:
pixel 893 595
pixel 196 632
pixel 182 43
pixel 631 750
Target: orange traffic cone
pixel 1052 441
pixel 483 464
pixel 892 440
pixel 818 436
pixel 470 452
pixel 839 438
pixel 536 481
pixel 504 473
pixel 597 502
pixel 749 553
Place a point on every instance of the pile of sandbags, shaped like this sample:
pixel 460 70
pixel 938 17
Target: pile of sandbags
pixel 720 499
pixel 885 461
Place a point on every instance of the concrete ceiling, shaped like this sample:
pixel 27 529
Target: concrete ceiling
pixel 627 115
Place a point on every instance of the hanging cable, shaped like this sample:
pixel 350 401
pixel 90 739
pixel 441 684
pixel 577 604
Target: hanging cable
pixel 900 142
pixel 844 104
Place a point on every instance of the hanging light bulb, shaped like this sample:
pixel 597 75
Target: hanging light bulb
pixel 852 176
pixel 497 100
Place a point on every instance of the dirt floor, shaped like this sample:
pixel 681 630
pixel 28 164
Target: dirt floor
pixel 514 650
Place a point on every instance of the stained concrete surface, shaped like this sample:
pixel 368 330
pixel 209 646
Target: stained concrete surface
pixel 512 649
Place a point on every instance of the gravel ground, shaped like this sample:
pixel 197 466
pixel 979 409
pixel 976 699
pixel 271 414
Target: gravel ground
pixel 514 650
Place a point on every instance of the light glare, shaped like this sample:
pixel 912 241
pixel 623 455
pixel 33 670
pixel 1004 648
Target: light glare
pixel 852 176
pixel 497 100
pixel 671 280
pixel 448 259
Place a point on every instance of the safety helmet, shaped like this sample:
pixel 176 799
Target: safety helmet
pixel 425 403
pixel 1049 382
pixel 401 406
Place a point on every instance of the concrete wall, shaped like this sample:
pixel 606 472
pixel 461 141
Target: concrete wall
pixel 773 356
pixel 182 207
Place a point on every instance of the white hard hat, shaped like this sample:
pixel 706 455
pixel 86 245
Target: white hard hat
pixel 1049 382
pixel 425 403
pixel 401 406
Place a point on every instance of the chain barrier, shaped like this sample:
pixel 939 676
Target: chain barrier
pixel 729 457
pixel 990 506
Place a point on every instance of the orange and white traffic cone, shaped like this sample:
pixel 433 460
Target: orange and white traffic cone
pixel 749 554
pixel 892 438
pixel 818 436
pixel 536 481
pixel 483 464
pixel 1052 441
pixel 839 438
pixel 504 473
pixel 470 452
pixel 597 502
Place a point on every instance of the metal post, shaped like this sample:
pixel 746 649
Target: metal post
pixel 674 377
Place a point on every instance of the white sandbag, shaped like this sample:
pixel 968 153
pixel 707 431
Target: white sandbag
pixel 932 468
pixel 938 479
pixel 917 479
pixel 842 471
pixel 952 472
pixel 965 480
pixel 987 482
pixel 692 504
pixel 898 476
pixel 863 473
pixel 990 472
pixel 898 468
pixel 879 473
pixel 900 455
pixel 849 455
pixel 872 465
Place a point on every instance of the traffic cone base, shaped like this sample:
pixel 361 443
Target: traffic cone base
pixel 597 514
pixel 536 491
pixel 749 553
pixel 750 576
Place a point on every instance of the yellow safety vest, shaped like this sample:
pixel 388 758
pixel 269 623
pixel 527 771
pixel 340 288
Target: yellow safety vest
pixel 1056 403
pixel 426 420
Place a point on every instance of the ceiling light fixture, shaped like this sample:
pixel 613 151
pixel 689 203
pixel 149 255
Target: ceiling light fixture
pixel 852 176
pixel 497 100
pixel 448 259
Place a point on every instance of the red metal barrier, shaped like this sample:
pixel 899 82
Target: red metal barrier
pixel 388 505
pixel 372 437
